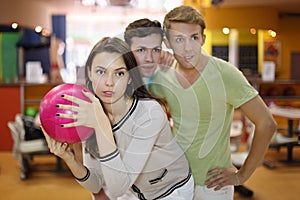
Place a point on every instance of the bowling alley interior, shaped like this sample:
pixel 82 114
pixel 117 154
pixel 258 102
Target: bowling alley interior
pixel 45 43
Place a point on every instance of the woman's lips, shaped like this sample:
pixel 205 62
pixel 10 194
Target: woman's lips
pixel 108 93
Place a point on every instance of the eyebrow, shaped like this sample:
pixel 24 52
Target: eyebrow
pixel 181 34
pixel 144 47
pixel 120 68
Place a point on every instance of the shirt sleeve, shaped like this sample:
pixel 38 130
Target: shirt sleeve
pixel 95 180
pixel 238 88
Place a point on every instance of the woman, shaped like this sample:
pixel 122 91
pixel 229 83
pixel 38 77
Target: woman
pixel 132 147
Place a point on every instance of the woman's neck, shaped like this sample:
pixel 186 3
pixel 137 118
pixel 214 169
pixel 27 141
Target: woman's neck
pixel 117 110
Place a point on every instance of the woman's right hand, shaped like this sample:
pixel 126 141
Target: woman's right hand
pixel 59 149
pixel 64 151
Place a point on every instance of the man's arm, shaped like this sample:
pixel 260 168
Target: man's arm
pixel 265 126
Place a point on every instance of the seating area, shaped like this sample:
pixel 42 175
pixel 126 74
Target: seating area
pixel 25 150
pixel 241 126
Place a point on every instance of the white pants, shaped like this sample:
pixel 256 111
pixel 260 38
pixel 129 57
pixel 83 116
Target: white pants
pixel 204 193
pixel 127 196
pixel 185 192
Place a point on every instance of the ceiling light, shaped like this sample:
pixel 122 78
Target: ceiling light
pixel 226 30
pixel 14 25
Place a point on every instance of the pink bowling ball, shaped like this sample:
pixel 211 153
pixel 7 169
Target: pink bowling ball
pixel 52 123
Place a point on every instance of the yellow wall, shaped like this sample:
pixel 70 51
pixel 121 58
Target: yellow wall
pixel 218 38
pixel 208 41
pixel 260 41
pixel 246 38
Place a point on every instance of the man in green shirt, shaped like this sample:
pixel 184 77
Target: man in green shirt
pixel 202 92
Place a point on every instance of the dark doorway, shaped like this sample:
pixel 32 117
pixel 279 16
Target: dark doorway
pixel 295 66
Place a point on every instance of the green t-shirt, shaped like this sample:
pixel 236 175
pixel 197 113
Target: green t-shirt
pixel 202 113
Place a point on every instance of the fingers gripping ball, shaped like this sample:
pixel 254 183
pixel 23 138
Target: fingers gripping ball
pixel 52 123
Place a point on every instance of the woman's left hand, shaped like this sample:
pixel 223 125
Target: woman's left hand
pixel 221 177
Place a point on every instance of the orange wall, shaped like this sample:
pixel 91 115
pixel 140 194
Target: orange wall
pixel 237 17
pixel 288 34
pixel 241 18
pixel 10 105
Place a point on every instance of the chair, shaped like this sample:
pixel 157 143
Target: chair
pixel 235 134
pixel 280 140
pixel 286 140
pixel 25 150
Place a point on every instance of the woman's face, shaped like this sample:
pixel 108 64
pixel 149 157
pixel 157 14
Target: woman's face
pixel 109 77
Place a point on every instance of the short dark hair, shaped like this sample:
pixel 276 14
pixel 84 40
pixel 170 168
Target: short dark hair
pixel 142 28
